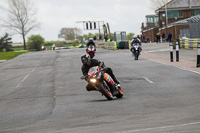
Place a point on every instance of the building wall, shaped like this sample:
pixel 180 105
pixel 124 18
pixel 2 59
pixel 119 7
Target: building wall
pixel 186 14
pixel 150 35
pixel 174 30
pixel 150 25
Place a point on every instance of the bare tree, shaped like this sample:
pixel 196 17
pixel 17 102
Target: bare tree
pixel 21 18
pixel 69 33
pixel 156 4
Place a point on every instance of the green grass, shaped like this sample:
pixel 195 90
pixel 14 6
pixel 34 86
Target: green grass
pixel 17 48
pixel 10 55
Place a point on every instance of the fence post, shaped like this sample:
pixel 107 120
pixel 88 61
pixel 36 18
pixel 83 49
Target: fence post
pixel 171 51
pixel 198 55
pixel 177 51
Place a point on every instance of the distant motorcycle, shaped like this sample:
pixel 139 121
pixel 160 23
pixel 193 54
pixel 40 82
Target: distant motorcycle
pixel 136 49
pixel 91 50
pixel 100 80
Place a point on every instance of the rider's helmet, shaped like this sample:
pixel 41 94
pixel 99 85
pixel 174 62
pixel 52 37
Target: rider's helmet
pixel 85 60
pixel 90 39
pixel 135 36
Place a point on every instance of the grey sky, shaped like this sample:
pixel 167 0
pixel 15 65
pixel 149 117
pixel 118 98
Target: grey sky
pixel 122 15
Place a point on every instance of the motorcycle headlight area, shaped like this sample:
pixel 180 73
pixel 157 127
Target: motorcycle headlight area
pixel 99 75
pixel 93 80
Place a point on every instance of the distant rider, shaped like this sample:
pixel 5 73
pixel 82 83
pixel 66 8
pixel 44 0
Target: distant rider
pixel 136 40
pixel 91 42
pixel 88 63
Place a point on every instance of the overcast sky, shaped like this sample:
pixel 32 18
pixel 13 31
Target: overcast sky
pixel 122 15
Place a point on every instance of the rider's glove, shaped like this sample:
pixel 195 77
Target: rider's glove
pixel 101 64
pixel 86 77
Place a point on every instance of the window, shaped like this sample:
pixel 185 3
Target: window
pixel 175 14
pixel 195 12
pixel 180 14
pixel 153 19
pixel 156 21
pixel 150 20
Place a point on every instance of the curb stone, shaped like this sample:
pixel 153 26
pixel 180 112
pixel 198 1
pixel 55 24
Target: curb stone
pixel 1 61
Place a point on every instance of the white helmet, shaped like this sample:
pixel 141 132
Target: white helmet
pixel 90 39
pixel 135 36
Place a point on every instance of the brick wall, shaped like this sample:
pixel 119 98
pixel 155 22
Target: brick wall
pixel 174 30
pixel 150 35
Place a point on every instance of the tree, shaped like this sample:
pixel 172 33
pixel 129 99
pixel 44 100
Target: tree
pixel 130 36
pixel 5 43
pixel 155 4
pixel 80 38
pixel 69 33
pixel 21 18
pixel 90 35
pixel 35 42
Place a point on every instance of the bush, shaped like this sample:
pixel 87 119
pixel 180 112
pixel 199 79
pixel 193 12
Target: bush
pixel 35 42
pixel 59 44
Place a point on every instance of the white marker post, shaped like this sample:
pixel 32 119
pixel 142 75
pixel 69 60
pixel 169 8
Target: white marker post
pixel 177 51
pixel 171 51
pixel 198 55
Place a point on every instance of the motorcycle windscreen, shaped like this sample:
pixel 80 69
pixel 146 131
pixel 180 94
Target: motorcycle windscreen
pixel 92 70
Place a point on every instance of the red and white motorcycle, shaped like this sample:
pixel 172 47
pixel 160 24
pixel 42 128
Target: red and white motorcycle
pixel 91 50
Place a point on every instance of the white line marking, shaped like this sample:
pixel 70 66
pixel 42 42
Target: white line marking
pixel 25 77
pixel 164 127
pixel 151 51
pixel 18 85
pixel 148 80
pixel 175 66
pixel 33 69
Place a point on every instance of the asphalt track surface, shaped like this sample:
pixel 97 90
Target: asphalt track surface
pixel 41 92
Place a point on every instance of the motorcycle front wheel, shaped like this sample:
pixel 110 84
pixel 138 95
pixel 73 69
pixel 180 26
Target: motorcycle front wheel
pixel 105 90
pixel 120 93
pixel 91 55
pixel 136 55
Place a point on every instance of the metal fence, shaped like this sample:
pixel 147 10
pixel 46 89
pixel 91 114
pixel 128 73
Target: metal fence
pixel 194 30
pixel 184 33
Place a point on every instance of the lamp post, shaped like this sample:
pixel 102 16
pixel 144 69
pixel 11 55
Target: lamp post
pixel 166 13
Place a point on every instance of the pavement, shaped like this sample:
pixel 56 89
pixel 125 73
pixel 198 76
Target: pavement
pixel 161 53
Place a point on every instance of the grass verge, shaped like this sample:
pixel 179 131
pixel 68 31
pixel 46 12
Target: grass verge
pixel 10 55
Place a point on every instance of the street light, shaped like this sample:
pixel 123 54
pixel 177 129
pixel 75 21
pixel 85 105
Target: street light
pixel 166 13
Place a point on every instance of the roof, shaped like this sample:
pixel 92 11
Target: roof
pixel 152 15
pixel 194 19
pixel 181 4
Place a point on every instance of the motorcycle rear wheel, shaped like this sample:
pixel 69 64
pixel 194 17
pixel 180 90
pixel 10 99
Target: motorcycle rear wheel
pixel 105 90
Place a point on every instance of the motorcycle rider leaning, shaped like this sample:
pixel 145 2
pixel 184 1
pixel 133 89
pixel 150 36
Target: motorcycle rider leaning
pixel 88 63
pixel 90 42
pixel 136 40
